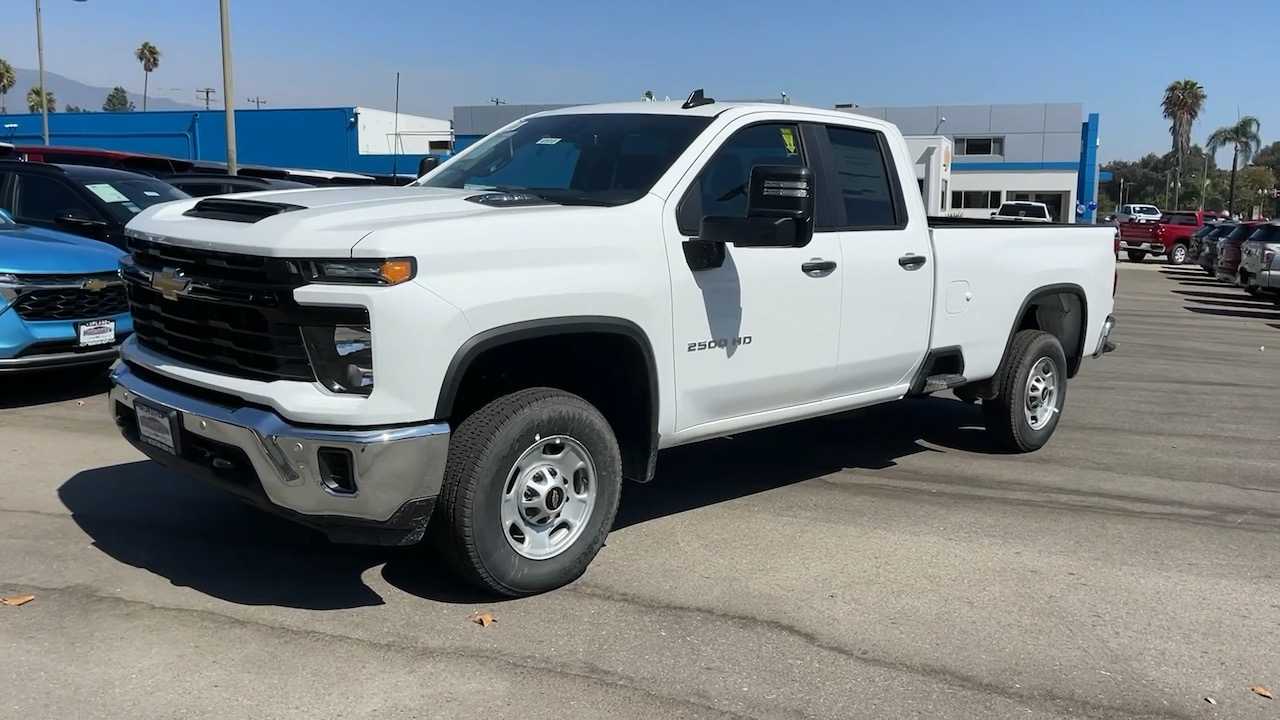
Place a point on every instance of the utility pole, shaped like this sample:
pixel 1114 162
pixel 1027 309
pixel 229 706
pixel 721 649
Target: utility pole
pixel 496 101
pixel 226 87
pixel 257 102
pixel 206 92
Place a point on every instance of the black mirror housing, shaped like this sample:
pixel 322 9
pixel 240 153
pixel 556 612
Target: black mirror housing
pixel 427 164
pixel 779 211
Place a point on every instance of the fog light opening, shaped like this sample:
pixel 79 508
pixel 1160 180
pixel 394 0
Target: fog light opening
pixel 337 470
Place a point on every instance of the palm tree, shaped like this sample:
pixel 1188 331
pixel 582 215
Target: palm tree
pixel 1244 138
pixel 149 56
pixel 1183 101
pixel 33 99
pixel 8 78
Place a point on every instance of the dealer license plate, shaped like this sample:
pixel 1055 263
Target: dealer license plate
pixel 157 426
pixel 96 332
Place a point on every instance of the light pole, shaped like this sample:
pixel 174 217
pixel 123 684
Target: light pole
pixel 229 113
pixel 44 92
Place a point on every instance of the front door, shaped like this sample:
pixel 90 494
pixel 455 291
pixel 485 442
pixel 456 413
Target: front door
pixel 756 329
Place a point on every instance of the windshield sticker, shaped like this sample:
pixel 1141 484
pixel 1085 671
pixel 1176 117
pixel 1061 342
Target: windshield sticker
pixel 107 192
pixel 132 208
pixel 548 141
pixel 789 139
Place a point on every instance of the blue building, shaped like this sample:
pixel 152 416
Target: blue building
pixel 346 139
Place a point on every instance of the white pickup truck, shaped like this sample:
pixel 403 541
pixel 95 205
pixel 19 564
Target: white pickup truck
pixel 479 359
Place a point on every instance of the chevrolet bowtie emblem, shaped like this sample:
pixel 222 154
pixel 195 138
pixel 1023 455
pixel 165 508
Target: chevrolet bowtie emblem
pixel 94 285
pixel 171 283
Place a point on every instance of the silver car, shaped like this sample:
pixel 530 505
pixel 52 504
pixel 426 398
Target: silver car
pixel 1259 272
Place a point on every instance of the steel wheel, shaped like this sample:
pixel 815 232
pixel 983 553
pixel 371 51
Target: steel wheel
pixel 1041 394
pixel 548 498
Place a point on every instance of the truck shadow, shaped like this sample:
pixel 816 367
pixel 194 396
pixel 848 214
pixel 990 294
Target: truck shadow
pixel 1210 297
pixel 196 537
pixel 47 387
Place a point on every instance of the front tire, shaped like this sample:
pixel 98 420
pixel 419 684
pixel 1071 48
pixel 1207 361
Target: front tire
pixel 531 489
pixel 1032 393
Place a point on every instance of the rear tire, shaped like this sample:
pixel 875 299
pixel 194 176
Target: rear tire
pixel 1178 255
pixel 531 489
pixel 1032 390
pixel 1136 256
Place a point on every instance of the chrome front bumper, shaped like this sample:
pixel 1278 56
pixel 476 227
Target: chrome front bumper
pixel 391 479
pixel 1104 338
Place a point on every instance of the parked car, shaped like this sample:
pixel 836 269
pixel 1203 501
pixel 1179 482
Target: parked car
pixel 710 274
pixel 1208 257
pixel 62 303
pixel 1195 244
pixel 1024 211
pixel 1227 266
pixel 93 202
pixel 1169 236
pixel 1138 213
pixel 1257 258
pixel 206 184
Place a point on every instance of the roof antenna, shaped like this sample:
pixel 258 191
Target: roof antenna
pixel 696 99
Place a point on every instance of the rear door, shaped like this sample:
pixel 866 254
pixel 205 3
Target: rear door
pixel 887 304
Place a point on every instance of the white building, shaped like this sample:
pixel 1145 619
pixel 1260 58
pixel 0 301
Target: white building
pixel 380 133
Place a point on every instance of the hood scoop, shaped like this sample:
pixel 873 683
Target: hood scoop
pixel 234 210
pixel 508 199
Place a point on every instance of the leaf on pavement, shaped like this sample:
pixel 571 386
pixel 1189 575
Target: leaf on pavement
pixel 1259 690
pixel 1211 701
pixel 18 600
pixel 484 619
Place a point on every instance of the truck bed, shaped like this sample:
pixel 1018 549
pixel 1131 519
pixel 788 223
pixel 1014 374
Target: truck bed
pixel 987 274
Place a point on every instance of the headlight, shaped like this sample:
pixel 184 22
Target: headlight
pixel 360 272
pixel 342 357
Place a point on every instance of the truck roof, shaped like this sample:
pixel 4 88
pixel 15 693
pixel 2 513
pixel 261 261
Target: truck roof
pixel 711 109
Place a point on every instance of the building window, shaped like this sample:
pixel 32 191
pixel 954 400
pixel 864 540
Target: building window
pixel 440 145
pixel 980 146
pixel 975 199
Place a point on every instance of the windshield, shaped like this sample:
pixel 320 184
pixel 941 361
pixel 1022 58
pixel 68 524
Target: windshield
pixel 1023 210
pixel 586 159
pixel 125 198
pixel 1240 233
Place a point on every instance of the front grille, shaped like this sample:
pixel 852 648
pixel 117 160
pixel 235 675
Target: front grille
pixel 237 316
pixel 71 303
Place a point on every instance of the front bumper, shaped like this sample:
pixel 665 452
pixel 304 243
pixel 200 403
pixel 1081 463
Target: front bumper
pixel 1105 345
pixel 55 344
pixel 382 495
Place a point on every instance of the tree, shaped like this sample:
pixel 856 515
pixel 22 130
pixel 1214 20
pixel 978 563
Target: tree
pixel 1182 103
pixel 1256 185
pixel 149 56
pixel 117 101
pixel 1270 157
pixel 74 109
pixel 33 99
pixel 1244 140
pixel 8 78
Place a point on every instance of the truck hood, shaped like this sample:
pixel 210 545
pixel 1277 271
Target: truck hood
pixel 26 250
pixel 312 222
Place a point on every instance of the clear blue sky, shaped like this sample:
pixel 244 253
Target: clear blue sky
pixel 1116 56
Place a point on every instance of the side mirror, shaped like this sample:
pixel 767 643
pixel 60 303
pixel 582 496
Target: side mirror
pixel 994 214
pixel 427 164
pixel 779 211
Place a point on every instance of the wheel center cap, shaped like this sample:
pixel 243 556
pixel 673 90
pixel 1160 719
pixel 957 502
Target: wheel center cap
pixel 555 498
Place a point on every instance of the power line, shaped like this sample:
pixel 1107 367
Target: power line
pixel 497 101
pixel 206 92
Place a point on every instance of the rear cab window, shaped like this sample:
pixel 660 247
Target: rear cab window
pixel 1180 218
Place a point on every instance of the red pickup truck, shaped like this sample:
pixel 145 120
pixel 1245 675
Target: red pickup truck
pixel 1170 236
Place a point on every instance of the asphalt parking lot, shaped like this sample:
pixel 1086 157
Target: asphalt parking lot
pixel 881 565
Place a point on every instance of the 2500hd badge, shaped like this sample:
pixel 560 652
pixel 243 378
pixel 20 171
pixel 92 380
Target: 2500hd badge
pixel 719 343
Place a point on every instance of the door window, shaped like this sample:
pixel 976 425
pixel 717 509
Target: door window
pixel 722 186
pixel 864 180
pixel 37 198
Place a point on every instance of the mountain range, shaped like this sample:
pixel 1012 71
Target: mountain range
pixel 70 92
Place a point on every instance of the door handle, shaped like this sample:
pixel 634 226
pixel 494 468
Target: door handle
pixel 911 261
pixel 817 267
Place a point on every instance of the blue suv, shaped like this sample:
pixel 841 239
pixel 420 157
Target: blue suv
pixel 62 302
